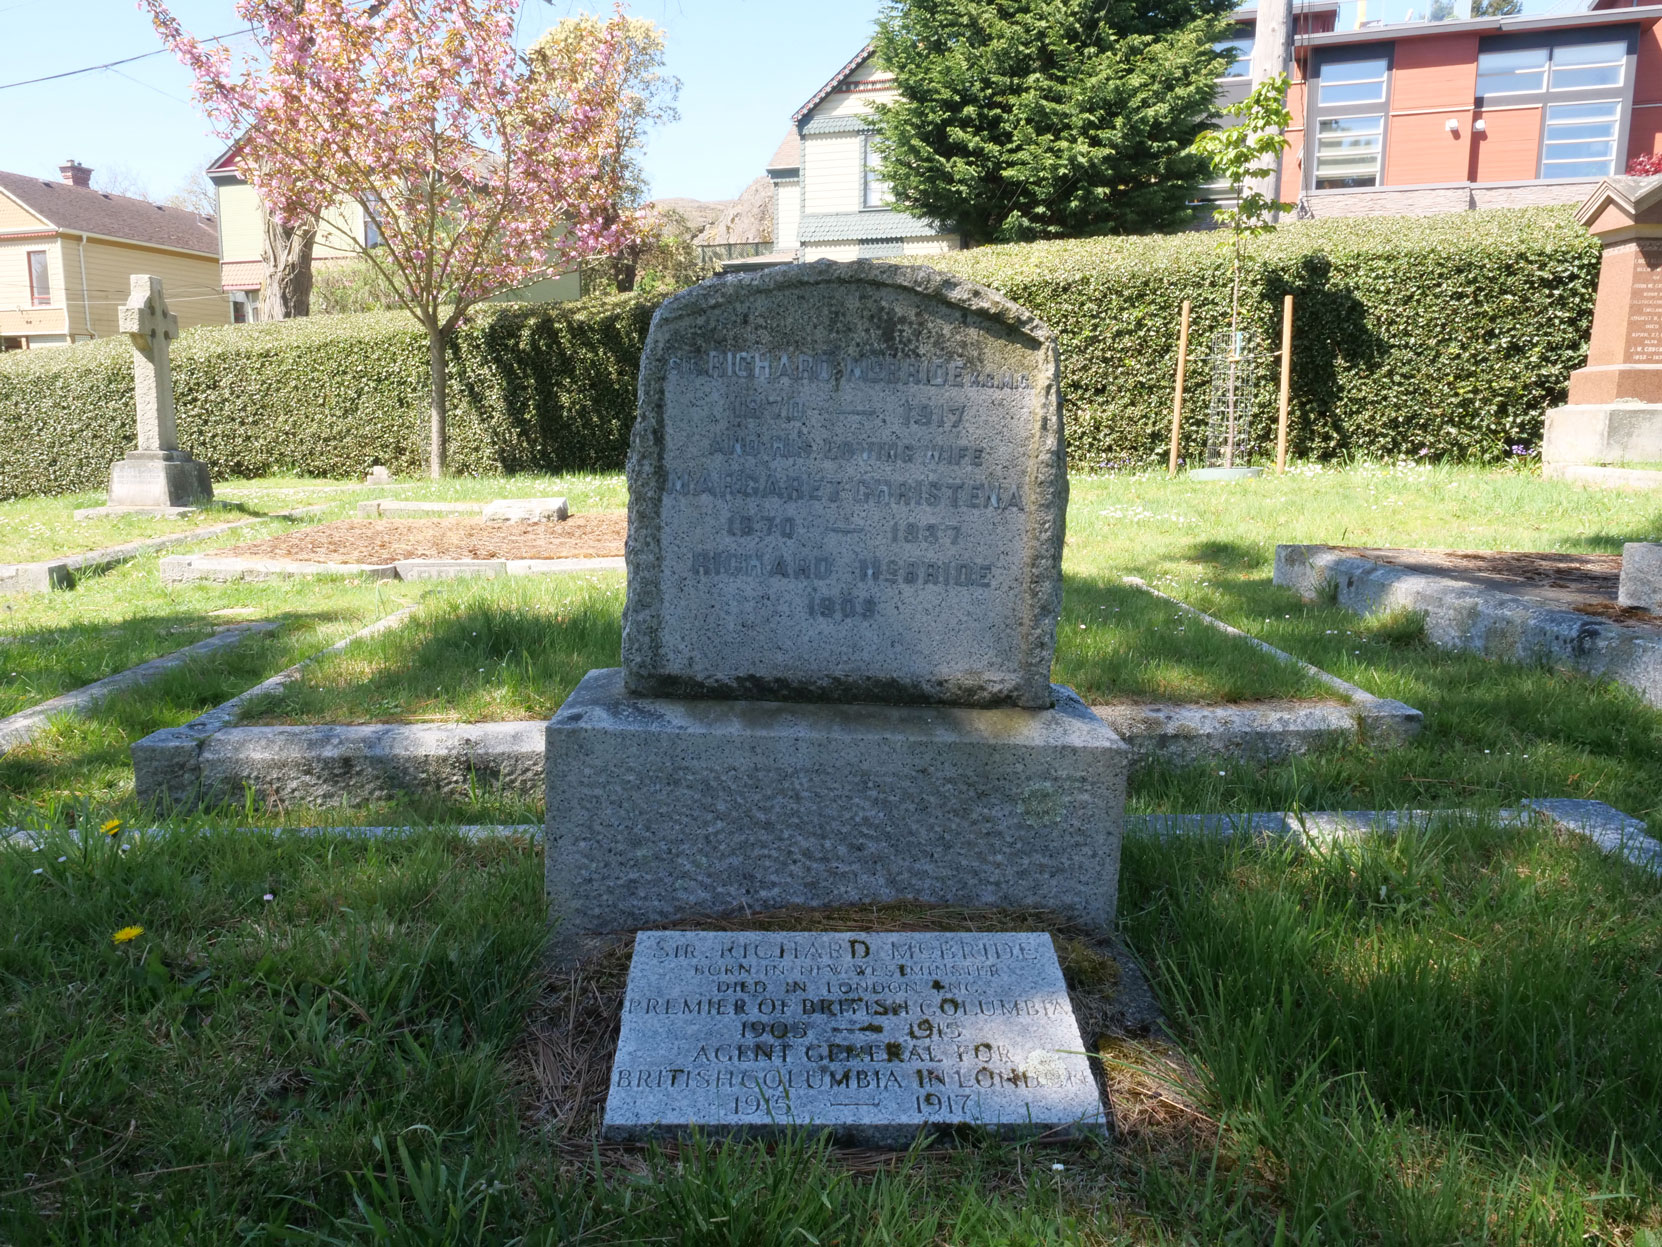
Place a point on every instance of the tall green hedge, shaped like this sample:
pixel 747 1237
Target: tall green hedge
pixel 1444 337
pixel 532 389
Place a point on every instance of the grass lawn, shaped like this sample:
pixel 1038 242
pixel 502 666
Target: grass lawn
pixel 1445 1037
pixel 38 529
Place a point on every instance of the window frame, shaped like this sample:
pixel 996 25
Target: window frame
pixel 866 179
pixel 1618 142
pixel 1243 38
pixel 1541 100
pixel 36 298
pixel 1319 112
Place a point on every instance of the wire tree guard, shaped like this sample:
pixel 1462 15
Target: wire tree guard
pixel 1231 423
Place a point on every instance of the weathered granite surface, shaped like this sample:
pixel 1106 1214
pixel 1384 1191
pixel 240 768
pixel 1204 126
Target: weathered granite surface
pixel 1641 582
pixel 662 807
pixel 846 483
pixel 876 1037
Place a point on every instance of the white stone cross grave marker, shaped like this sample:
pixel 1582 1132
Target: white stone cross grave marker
pixel 152 327
pixel 158 478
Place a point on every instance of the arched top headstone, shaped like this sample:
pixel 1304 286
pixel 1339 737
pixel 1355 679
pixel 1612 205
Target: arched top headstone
pixel 847 482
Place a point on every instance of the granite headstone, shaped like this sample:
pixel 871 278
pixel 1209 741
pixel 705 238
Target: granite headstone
pixel 846 489
pixel 847 493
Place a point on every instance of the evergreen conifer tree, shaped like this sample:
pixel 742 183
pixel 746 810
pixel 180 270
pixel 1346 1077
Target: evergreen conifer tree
pixel 1025 119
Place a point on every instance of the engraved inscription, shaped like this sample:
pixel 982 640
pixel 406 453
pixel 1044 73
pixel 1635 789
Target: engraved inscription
pixel 850 488
pixel 1644 318
pixel 724 1028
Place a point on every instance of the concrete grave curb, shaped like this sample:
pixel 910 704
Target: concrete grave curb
pixel 392 506
pixel 183 568
pixel 1614 833
pixel 1496 624
pixel 21 727
pixel 43 577
pixel 167 765
pixel 1262 731
pixel 327 764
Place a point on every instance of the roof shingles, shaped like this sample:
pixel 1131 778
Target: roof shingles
pixel 80 209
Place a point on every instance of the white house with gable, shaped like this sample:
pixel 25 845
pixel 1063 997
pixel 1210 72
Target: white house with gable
pixel 830 201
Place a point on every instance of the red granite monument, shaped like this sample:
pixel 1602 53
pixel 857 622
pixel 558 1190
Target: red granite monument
pixel 1614 414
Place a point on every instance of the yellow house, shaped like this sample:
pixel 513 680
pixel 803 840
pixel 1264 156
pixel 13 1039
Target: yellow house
pixel 67 251
pixel 242 236
pixel 831 201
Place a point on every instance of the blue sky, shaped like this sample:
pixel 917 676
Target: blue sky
pixel 744 65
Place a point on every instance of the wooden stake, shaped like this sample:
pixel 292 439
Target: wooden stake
pixel 1177 396
pixel 1286 384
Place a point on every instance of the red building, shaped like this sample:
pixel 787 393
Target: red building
pixel 1426 115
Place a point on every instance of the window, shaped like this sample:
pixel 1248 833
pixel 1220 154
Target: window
pixel 1580 140
pixel 1348 150
pixel 1352 82
pixel 40 280
pixel 1588 65
pixel 1564 67
pixel 372 222
pixel 1508 73
pixel 874 191
pixel 1238 48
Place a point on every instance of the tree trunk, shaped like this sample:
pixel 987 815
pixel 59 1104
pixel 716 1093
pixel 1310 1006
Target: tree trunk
pixel 287 255
pixel 440 368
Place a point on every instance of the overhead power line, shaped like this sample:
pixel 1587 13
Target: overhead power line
pixel 93 69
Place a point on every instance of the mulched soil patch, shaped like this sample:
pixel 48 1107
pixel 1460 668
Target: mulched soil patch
pixel 1580 582
pixel 592 536
pixel 565 1060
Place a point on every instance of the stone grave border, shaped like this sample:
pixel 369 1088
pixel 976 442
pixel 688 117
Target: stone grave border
pixel 1614 833
pixel 329 764
pixel 184 568
pixel 376 509
pixel 1486 621
pixel 1270 731
pixel 62 573
pixel 18 729
pixel 167 764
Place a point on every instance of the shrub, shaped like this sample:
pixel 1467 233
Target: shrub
pixel 1450 335
pixel 546 388
pixel 1445 335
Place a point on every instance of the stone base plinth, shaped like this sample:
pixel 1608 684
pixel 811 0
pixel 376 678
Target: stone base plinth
pixel 1641 582
pixel 159 480
pixel 663 808
pixel 1615 383
pixel 1603 433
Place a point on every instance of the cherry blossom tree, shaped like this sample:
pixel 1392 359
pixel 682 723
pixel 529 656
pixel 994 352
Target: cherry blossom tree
pixel 476 170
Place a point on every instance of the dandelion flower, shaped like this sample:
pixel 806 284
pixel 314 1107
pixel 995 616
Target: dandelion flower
pixel 112 828
pixel 126 935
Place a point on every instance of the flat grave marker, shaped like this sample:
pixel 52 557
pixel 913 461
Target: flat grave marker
pixel 874 1036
